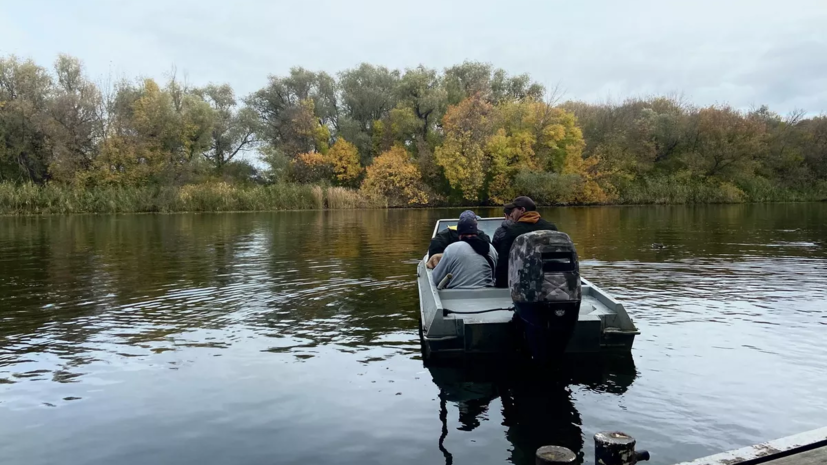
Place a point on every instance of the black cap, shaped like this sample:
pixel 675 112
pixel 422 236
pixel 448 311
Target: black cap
pixel 467 226
pixel 521 202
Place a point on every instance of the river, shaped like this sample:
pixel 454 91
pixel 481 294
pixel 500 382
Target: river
pixel 290 338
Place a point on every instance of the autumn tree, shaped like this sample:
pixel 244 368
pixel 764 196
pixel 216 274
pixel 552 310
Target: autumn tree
pixel 463 156
pixel 725 143
pixel 399 126
pixel 310 167
pixel 157 135
pixel 343 158
pixel 141 148
pixel 470 132
pixel 394 176
pixel 486 146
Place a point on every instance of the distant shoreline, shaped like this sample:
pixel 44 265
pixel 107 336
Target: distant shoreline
pixel 219 197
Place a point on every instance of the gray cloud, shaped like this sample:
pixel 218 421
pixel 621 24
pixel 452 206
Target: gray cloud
pixel 741 52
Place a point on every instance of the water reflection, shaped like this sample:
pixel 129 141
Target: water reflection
pixel 537 405
pixel 235 337
pixel 87 287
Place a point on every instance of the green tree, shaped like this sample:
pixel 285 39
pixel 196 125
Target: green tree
pixel 368 94
pixel 233 129
pixel 295 111
pixel 421 91
pixel 77 120
pixel 24 100
pixel 815 145
pixel 493 85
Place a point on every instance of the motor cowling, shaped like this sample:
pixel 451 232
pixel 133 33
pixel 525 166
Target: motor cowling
pixel 544 279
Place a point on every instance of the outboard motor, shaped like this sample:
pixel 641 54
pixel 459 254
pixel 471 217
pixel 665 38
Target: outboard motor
pixel 544 278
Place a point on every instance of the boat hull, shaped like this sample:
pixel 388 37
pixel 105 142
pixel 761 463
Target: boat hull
pixel 505 341
pixel 490 329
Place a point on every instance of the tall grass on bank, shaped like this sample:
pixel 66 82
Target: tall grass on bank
pixel 31 199
pixel 25 199
pixel 668 190
pixel 672 190
pixel 550 188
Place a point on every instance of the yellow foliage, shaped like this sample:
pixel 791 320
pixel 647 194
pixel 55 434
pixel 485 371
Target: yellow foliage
pixel 321 136
pixel 464 163
pixel 462 156
pixel 485 147
pixel 553 142
pixel 344 158
pixel 310 167
pixel 152 114
pixel 394 176
pixel 123 161
pixel 309 129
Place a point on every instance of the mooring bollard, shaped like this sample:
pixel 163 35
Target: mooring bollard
pixel 554 455
pixel 616 448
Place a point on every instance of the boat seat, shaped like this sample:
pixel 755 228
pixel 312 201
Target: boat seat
pixel 474 301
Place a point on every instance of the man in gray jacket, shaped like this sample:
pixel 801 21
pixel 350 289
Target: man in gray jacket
pixel 471 261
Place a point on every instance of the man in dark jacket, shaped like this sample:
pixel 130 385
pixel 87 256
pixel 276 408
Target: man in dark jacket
pixel 450 235
pixel 523 212
pixel 500 232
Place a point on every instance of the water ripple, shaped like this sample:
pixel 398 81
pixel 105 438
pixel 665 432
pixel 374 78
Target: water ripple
pixel 222 338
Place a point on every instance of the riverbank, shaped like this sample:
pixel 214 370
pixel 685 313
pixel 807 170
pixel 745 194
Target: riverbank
pixel 32 199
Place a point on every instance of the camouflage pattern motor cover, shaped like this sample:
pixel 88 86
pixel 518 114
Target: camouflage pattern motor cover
pixel 526 278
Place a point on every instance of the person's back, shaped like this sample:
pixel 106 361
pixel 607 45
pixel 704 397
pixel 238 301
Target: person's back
pixel 525 219
pixel 471 261
pixel 468 268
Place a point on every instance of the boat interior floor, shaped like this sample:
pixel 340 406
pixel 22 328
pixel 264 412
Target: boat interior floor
pixel 495 303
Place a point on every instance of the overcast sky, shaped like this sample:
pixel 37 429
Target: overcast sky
pixel 742 52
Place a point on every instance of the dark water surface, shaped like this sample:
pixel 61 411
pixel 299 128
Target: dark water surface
pixel 291 338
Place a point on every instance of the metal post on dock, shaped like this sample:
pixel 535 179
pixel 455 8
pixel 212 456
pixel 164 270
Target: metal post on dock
pixel 616 448
pixel 554 455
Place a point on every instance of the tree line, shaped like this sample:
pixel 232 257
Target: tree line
pixel 468 134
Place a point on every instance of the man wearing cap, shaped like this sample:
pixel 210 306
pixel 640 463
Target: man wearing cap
pixel 471 260
pixel 523 212
pixel 450 235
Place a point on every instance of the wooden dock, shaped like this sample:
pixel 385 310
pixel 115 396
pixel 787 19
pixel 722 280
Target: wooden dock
pixel 616 448
pixel 802 449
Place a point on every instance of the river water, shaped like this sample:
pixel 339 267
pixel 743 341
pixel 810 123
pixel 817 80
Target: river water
pixel 291 338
